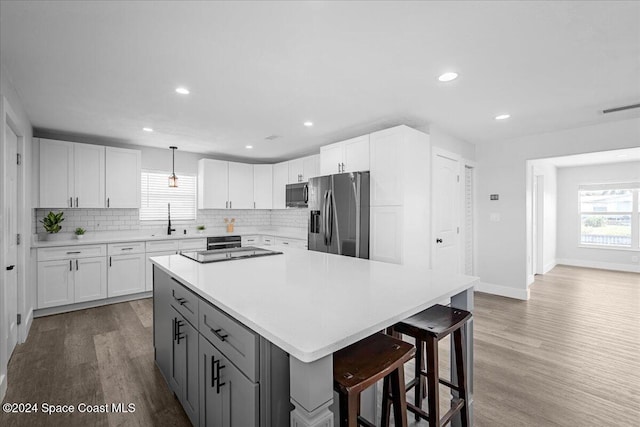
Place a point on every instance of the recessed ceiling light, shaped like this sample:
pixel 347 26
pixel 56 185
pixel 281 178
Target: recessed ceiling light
pixel 308 124
pixel 248 147
pixel 503 116
pixel 147 129
pixel 182 90
pixel 447 77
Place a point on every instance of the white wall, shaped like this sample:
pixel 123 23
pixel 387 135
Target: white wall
pixel 503 247
pixel 26 275
pixel 569 251
pixel 549 214
pixel 441 139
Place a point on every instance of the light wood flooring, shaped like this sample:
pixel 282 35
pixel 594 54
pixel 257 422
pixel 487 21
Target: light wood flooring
pixel 570 356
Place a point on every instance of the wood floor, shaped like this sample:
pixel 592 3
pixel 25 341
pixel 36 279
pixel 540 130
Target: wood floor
pixel 570 356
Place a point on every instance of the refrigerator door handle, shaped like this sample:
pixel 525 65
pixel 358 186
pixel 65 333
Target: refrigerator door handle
pixel 324 217
pixel 329 217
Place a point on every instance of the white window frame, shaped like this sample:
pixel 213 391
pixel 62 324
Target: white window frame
pixel 634 213
pixel 175 216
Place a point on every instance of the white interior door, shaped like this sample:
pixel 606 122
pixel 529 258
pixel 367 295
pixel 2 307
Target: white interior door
pixel 446 213
pixel 11 224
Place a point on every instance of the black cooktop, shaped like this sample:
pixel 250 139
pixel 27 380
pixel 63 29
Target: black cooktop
pixel 219 255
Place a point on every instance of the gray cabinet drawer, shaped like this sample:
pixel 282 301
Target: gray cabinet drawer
pixel 238 343
pixel 185 301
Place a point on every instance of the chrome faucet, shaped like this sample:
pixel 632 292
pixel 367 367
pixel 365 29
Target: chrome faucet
pixel 169 229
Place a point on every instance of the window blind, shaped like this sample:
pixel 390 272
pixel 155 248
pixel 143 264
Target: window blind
pixel 156 195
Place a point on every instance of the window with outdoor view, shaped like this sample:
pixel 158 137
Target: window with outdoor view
pixel 609 215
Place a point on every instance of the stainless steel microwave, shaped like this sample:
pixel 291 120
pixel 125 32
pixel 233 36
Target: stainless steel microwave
pixel 297 195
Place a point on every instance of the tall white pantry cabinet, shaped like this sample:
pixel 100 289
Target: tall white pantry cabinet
pixel 400 196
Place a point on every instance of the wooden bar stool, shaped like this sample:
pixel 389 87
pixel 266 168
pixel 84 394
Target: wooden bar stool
pixel 364 363
pixel 430 326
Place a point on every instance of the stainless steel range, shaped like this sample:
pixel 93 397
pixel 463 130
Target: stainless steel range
pixel 219 255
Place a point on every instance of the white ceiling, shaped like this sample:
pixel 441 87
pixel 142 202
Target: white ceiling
pixel 256 69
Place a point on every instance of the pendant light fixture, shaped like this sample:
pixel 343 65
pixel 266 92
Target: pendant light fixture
pixel 173 179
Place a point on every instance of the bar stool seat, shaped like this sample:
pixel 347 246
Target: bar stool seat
pixel 430 326
pixel 364 363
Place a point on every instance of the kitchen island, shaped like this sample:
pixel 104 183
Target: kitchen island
pixel 308 304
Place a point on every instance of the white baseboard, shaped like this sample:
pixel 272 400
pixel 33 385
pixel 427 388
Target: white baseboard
pixel 600 265
pixel 3 387
pixel 27 326
pixel 548 267
pixel 503 291
pixel 530 279
pixel 89 304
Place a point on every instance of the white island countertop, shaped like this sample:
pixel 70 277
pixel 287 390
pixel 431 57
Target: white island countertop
pixel 312 304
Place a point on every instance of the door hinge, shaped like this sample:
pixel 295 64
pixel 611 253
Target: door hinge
pixel 18 159
pixel 19 320
pixel 17 239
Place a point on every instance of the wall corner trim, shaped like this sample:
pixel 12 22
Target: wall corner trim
pixel 503 291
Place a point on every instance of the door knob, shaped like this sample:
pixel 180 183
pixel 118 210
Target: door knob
pixel 11 267
pixel 438 240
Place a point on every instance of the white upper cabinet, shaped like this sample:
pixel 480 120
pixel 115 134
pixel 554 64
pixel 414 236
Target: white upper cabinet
pixel 263 186
pixel 310 167
pixel 213 184
pixel 296 171
pixel 123 177
pixel 280 181
pixel 351 155
pixel 71 175
pixel 240 186
pixel 56 174
pixel 224 185
pixel 89 176
pixel 300 170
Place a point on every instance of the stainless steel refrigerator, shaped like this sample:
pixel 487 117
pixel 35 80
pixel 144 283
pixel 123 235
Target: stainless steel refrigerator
pixel 339 214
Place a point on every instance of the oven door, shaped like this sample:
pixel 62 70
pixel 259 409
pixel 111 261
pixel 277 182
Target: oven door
pixel 297 195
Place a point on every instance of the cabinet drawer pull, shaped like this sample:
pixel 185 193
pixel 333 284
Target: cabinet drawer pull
pixel 217 333
pixel 75 252
pixel 126 249
pixel 181 301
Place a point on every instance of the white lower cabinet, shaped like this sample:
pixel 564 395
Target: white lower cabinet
pixel 55 283
pixel 126 274
pixel 294 243
pixel 268 240
pixel 67 275
pixel 184 366
pixel 227 397
pixel 90 279
pixel 251 240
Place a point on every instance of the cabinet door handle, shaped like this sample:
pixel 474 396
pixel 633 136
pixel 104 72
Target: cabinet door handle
pixel 76 265
pixel 213 371
pixel 178 335
pixel 181 301
pixel 70 265
pixel 230 204
pixel 107 202
pixel 77 205
pixel 217 333
pixel 70 202
pixel 218 383
pixel 109 261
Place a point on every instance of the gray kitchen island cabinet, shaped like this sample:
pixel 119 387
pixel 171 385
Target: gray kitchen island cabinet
pixel 223 374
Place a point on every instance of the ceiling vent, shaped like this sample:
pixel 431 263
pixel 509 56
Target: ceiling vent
pixel 272 137
pixel 616 109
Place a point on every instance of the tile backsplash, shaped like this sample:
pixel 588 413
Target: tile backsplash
pixel 128 219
